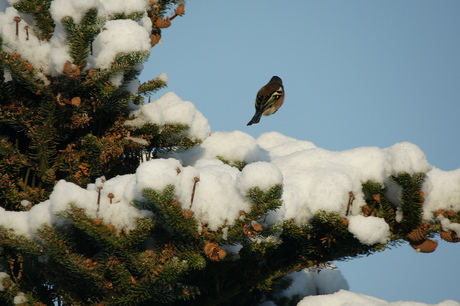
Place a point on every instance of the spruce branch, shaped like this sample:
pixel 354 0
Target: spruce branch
pixel 40 12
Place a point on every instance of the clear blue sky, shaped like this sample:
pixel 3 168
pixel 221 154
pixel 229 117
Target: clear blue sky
pixel 356 73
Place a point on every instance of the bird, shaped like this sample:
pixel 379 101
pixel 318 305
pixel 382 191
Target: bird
pixel 269 99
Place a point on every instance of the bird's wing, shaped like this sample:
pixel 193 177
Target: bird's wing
pixel 267 96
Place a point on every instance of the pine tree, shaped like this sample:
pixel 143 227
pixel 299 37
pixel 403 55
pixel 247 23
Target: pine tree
pixel 71 125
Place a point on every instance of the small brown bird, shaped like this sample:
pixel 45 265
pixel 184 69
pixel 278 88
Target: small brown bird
pixel 269 99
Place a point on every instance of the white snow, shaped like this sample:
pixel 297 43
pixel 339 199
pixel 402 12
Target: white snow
pixel 32 50
pixel 162 77
pixel 231 146
pixel 122 6
pixel 313 179
pixel 217 185
pixel 20 298
pixel 260 174
pixel 157 174
pixel 170 109
pixel 75 9
pixel 448 225
pixel 369 230
pixel 49 57
pixel 347 298
pixel 442 191
pixel 119 36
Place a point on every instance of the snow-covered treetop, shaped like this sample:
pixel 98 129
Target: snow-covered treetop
pixel 313 179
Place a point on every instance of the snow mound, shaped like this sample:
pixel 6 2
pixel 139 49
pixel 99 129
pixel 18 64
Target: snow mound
pixel 346 298
pixel 170 109
pixel 369 230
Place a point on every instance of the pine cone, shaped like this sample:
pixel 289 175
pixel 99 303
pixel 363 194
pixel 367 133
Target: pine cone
pixel 252 229
pixel 427 246
pixel 70 72
pixel 154 39
pixel 163 23
pixel 449 236
pixel 446 213
pixel 76 101
pixel 180 10
pixel 188 214
pixel 417 235
pixel 451 214
pixel 366 210
pixel 214 252
pixel 28 66
pixel 91 73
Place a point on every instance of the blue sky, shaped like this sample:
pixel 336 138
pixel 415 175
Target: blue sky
pixel 356 73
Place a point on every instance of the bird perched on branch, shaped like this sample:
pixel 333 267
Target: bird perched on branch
pixel 269 99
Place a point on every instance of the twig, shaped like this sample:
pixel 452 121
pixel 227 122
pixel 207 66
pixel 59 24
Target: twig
pixel 376 200
pixel 98 197
pixel 350 201
pixel 17 20
pixel 196 180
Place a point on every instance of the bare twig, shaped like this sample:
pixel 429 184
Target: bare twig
pixel 196 180
pixel 98 197
pixel 17 20
pixel 350 201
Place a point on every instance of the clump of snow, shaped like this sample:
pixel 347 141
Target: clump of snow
pixel 25 203
pixel 119 36
pixel 369 230
pixel 345 298
pixel 170 109
pixel 260 174
pixel 157 174
pixel 230 146
pixel 448 225
pixel 20 298
pixel 162 77
pixel 407 157
pixel 217 199
pixel 442 191
pixel 277 144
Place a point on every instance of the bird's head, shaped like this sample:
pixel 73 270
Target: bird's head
pixel 276 79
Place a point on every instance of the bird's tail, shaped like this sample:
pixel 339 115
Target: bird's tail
pixel 255 119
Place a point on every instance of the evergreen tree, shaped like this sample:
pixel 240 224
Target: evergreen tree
pixel 70 122
pixel 70 125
